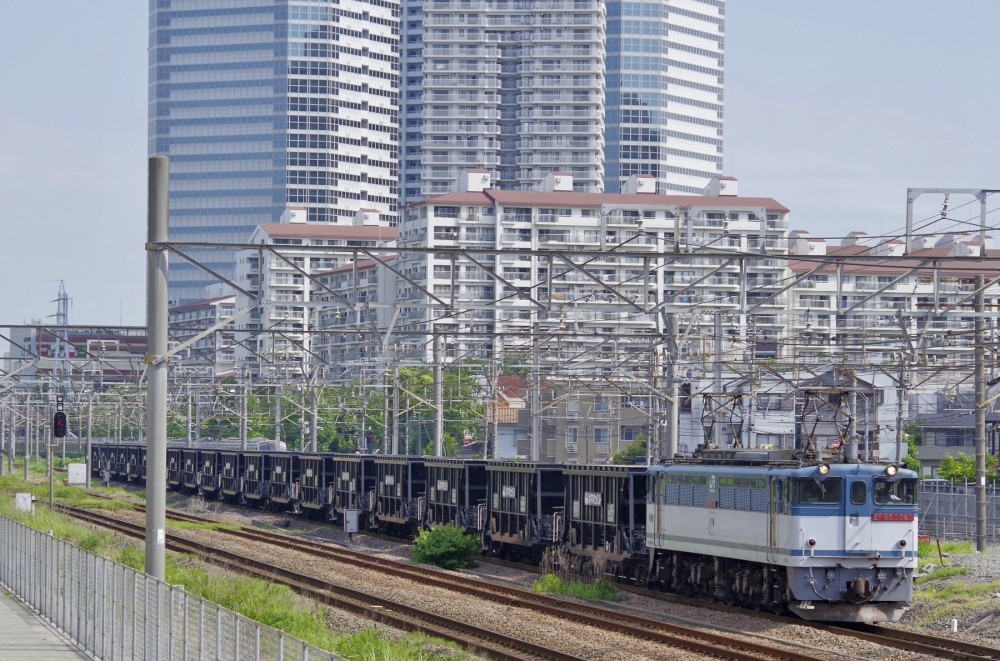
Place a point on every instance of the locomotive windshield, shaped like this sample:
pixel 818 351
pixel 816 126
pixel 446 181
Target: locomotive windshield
pixel 895 492
pixel 813 491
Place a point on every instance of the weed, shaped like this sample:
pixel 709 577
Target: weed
pixel 599 590
pixel 372 645
pixel 194 525
pixel 940 573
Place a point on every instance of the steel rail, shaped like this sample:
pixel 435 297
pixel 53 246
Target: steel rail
pixel 481 641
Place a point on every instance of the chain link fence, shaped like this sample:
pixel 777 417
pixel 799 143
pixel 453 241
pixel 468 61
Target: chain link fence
pixel 948 510
pixel 116 612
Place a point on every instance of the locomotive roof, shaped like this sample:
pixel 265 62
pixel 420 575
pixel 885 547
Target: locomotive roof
pixel 798 470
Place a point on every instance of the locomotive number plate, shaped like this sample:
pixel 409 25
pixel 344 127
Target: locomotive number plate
pixel 891 516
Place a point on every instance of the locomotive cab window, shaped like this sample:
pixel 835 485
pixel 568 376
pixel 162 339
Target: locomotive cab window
pixel 859 493
pixel 895 492
pixel 814 491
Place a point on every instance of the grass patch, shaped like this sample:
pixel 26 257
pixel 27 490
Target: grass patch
pixel 929 552
pixel 371 645
pixel 599 590
pixel 277 606
pixel 194 525
pixel 940 573
pixel 954 597
pixel 61 526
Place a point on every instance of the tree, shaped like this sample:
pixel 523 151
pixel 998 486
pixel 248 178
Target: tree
pixel 963 467
pixel 632 451
pixel 913 434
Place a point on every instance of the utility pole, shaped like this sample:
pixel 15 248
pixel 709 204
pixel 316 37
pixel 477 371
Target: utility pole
pixel 277 414
pixel 980 366
pixel 244 422
pixel 314 412
pixel 900 398
pixel 156 370
pixel 654 405
pixel 90 421
pixel 3 437
pixel 536 396
pixel 851 448
pixel 395 408
pixel 438 357
pixel 717 399
pixel 27 435
pixel 189 439
pixel 673 389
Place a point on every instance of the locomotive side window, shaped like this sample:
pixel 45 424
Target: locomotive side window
pixel 895 492
pixel 812 491
pixel 859 493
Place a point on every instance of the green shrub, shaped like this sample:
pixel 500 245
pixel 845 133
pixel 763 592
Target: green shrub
pixel 599 590
pixel 445 546
pixel 929 550
pixel 372 645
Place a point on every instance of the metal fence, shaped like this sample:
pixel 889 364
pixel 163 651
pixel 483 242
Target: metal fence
pixel 948 509
pixel 116 612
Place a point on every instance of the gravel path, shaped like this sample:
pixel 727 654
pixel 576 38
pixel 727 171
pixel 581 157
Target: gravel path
pixel 584 641
pixel 978 614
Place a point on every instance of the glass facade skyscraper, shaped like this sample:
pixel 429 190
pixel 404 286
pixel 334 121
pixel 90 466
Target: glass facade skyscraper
pixel 665 93
pixel 266 104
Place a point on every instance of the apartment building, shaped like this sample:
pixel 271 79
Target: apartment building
pixel 264 103
pixel 215 354
pixel 355 306
pixel 287 296
pixel 514 87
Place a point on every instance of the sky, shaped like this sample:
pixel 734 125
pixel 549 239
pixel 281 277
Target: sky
pixel 832 108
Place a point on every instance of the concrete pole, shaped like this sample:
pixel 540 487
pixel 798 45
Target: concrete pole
pixel 900 398
pixel 156 373
pixel 536 397
pixel 189 441
pixel 654 405
pixel 277 415
pixel 395 409
pixel 90 422
pixel 673 389
pixel 980 364
pixel 3 437
pixel 244 421
pixel 314 413
pixel 851 448
pixel 438 357
pixel 717 399
pixel 27 436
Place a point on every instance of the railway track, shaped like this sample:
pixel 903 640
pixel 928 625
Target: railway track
pixel 676 636
pixel 491 644
pixel 901 639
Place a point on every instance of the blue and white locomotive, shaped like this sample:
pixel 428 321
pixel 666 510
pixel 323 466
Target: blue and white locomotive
pixel 834 542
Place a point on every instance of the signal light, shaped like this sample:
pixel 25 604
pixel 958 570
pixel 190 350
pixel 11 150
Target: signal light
pixel 59 425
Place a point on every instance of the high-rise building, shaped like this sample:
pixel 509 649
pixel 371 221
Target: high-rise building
pixel 511 86
pixel 265 103
pixel 665 93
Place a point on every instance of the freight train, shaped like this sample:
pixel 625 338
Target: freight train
pixel 764 529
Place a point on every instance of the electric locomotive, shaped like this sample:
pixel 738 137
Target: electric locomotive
pixel 835 542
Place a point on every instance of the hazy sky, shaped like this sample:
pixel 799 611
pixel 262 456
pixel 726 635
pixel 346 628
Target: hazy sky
pixel 833 108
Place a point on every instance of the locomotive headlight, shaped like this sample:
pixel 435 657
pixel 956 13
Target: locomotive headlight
pixel 891 469
pixel 811 542
pixel 824 469
pixel 902 543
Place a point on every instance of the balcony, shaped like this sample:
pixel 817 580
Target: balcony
pixel 456 111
